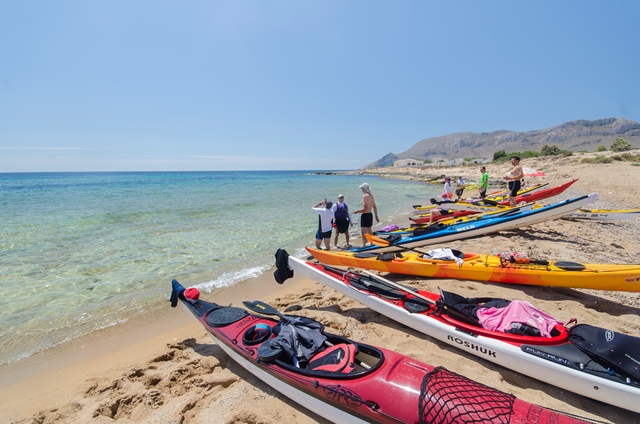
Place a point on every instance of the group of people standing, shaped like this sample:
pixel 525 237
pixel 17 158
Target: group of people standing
pixel 337 215
pixel 514 177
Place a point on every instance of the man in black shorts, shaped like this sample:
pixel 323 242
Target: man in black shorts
pixel 368 204
pixel 514 176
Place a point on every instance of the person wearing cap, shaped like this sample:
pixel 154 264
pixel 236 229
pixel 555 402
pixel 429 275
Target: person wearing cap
pixel 513 177
pixel 325 217
pixel 447 191
pixel 368 205
pixel 342 220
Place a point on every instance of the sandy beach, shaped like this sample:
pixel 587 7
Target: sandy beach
pixel 168 370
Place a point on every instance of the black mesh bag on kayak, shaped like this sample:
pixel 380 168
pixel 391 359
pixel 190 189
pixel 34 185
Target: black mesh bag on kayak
pixel 609 348
pixel 446 397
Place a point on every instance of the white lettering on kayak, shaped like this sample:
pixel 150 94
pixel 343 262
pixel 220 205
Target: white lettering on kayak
pixel 472 346
pixel 465 228
pixel 546 355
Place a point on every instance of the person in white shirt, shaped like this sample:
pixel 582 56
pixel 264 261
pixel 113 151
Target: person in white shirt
pixel 447 191
pixel 325 216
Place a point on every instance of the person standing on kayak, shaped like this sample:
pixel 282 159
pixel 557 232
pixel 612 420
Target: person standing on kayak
pixel 514 176
pixel 325 217
pixel 342 220
pixel 368 204
pixel 483 184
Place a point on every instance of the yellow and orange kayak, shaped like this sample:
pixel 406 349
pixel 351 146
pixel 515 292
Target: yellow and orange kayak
pixel 490 268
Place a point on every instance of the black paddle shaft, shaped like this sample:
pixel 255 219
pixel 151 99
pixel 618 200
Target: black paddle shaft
pixel 262 308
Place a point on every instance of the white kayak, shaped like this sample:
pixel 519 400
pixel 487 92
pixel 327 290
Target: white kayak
pixel 555 360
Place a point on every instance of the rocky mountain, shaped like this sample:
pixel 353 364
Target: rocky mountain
pixel 576 136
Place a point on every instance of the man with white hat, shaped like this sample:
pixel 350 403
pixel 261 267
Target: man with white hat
pixel 368 204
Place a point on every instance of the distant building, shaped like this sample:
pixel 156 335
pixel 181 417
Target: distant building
pixel 408 162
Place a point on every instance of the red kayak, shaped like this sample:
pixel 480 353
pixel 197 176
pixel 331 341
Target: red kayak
pixel 540 194
pixel 346 381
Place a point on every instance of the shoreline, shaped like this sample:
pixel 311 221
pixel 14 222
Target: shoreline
pixel 108 375
pixel 42 380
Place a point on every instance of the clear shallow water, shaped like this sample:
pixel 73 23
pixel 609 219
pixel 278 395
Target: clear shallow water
pixel 84 251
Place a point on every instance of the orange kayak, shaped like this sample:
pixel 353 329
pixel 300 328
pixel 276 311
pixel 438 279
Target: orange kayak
pixel 490 268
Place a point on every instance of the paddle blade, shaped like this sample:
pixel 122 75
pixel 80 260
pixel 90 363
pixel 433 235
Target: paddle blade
pixel 376 240
pixel 261 307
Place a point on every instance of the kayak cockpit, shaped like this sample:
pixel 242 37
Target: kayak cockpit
pixel 338 358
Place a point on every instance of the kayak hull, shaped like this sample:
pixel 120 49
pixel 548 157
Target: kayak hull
pixel 604 214
pixel 488 268
pixel 536 361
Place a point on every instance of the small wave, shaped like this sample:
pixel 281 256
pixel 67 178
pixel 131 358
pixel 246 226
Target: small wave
pixel 7 358
pixel 232 278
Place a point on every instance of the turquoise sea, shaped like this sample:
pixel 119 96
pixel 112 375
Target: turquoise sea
pixel 84 251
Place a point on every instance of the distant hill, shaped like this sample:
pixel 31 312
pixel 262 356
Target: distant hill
pixel 576 136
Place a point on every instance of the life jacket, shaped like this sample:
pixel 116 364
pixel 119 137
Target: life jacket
pixel 342 210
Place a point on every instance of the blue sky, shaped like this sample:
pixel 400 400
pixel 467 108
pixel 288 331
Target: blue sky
pixel 235 85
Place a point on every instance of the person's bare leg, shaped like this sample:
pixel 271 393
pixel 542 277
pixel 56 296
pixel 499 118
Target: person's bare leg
pixel 365 230
pixel 318 243
pixel 327 243
pixel 335 240
pixel 346 235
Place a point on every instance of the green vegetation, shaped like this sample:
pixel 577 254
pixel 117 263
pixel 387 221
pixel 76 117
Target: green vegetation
pixel 597 159
pixel 623 157
pixel 620 145
pixel 601 149
pixel 428 161
pixel 628 157
pixel 547 150
pixel 553 150
pixel 500 154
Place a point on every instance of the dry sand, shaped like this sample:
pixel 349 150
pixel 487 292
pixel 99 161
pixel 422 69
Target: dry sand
pixel 168 370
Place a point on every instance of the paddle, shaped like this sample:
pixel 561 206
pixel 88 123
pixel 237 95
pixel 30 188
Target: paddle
pixel 262 308
pixel 383 243
pixel 569 266
pixel 399 287
pixel 378 241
